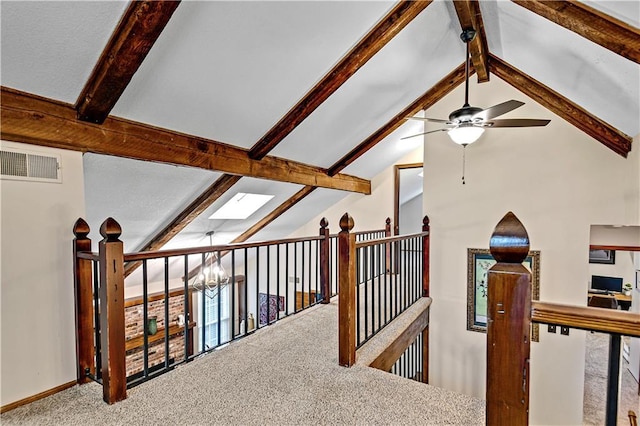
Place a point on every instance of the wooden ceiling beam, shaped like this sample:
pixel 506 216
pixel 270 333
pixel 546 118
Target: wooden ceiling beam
pixel 470 17
pixel 610 33
pixel 34 120
pixel 561 106
pixel 137 31
pixel 428 99
pixel 399 17
pixel 371 43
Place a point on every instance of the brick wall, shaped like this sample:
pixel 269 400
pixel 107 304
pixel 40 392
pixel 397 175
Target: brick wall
pixel 134 328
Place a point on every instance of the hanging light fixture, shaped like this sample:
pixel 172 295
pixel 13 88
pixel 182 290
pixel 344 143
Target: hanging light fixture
pixel 211 276
pixel 465 134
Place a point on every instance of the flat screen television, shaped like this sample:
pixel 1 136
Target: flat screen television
pixel 606 283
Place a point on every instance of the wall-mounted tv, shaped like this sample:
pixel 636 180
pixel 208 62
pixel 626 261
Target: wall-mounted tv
pixel 612 284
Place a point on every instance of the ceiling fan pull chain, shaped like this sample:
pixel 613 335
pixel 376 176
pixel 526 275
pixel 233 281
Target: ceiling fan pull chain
pixel 464 151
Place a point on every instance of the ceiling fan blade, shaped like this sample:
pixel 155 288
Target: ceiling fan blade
pixel 517 122
pixel 433 120
pixel 498 110
pixel 425 133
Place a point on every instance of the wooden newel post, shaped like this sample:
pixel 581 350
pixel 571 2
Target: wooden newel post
pixel 83 289
pixel 425 257
pixel 325 258
pixel 110 249
pixel 508 325
pixel 346 293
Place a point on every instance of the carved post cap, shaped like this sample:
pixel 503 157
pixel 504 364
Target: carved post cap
pixel 425 221
pixel 509 242
pixel 81 229
pixel 346 222
pixel 110 230
pixel 324 222
pixel 388 221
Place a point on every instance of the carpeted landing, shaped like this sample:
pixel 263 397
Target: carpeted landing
pixel 284 374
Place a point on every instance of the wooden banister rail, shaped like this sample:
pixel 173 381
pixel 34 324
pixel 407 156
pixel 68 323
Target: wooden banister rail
pixel 585 318
pixel 508 325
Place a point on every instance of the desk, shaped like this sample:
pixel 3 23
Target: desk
pixel 623 300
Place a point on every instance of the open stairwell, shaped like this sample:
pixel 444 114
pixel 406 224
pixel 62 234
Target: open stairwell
pixel 286 373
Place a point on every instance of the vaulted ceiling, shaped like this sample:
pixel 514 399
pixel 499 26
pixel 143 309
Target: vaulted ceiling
pixel 307 100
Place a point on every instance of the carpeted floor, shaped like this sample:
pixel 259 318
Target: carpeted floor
pixel 284 374
pixel 595 383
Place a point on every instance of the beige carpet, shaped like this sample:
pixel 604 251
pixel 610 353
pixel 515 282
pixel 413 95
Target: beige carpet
pixel 595 383
pixel 285 374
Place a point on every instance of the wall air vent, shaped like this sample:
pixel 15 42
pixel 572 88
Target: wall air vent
pixel 30 166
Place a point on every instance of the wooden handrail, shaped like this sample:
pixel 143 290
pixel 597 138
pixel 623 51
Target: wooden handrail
pixel 593 319
pixel 389 239
pixel 128 257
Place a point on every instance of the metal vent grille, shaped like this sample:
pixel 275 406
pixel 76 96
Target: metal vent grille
pixel 24 165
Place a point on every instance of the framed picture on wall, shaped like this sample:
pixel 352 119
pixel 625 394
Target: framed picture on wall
pixel 607 257
pixel 479 261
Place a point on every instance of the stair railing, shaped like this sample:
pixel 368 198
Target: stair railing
pixel 269 279
pixel 378 280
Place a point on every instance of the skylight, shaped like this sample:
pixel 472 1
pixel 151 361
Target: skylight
pixel 241 206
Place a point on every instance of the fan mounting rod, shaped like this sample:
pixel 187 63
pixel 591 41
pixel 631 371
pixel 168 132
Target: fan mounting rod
pixel 466 36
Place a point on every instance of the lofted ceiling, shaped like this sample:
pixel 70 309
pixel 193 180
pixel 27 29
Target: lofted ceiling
pixel 226 83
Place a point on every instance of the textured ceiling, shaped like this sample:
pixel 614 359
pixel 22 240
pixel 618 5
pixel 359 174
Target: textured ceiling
pixel 229 71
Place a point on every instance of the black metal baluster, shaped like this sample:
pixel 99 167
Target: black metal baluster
pixel 203 306
pixel 246 292
pixel 219 292
pixel 378 278
pixel 268 285
pixel 286 278
pixel 145 320
pixel 366 294
pixel 317 257
pixel 278 279
pixel 613 377
pixel 302 276
pixel 257 317
pixel 166 312
pixel 96 320
pixel 295 275
pixel 232 312
pixel 187 313
pixel 358 278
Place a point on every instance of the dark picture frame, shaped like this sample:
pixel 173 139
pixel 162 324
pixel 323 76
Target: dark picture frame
pixel 607 257
pixel 479 261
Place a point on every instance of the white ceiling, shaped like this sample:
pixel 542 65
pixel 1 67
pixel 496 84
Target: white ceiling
pixel 229 71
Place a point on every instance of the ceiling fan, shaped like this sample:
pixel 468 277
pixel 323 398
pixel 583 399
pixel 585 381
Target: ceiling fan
pixel 466 125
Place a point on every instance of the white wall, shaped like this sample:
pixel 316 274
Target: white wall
pixel 38 325
pixel 411 216
pixel 368 211
pixel 558 181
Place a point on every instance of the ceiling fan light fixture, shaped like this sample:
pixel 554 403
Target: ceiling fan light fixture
pixel 465 135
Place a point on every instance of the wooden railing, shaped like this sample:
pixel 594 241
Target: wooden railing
pixel 378 279
pixel 510 312
pixel 269 279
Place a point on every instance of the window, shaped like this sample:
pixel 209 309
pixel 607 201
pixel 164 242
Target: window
pixel 216 312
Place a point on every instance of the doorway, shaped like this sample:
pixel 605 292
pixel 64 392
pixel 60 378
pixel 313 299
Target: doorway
pixel 408 199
